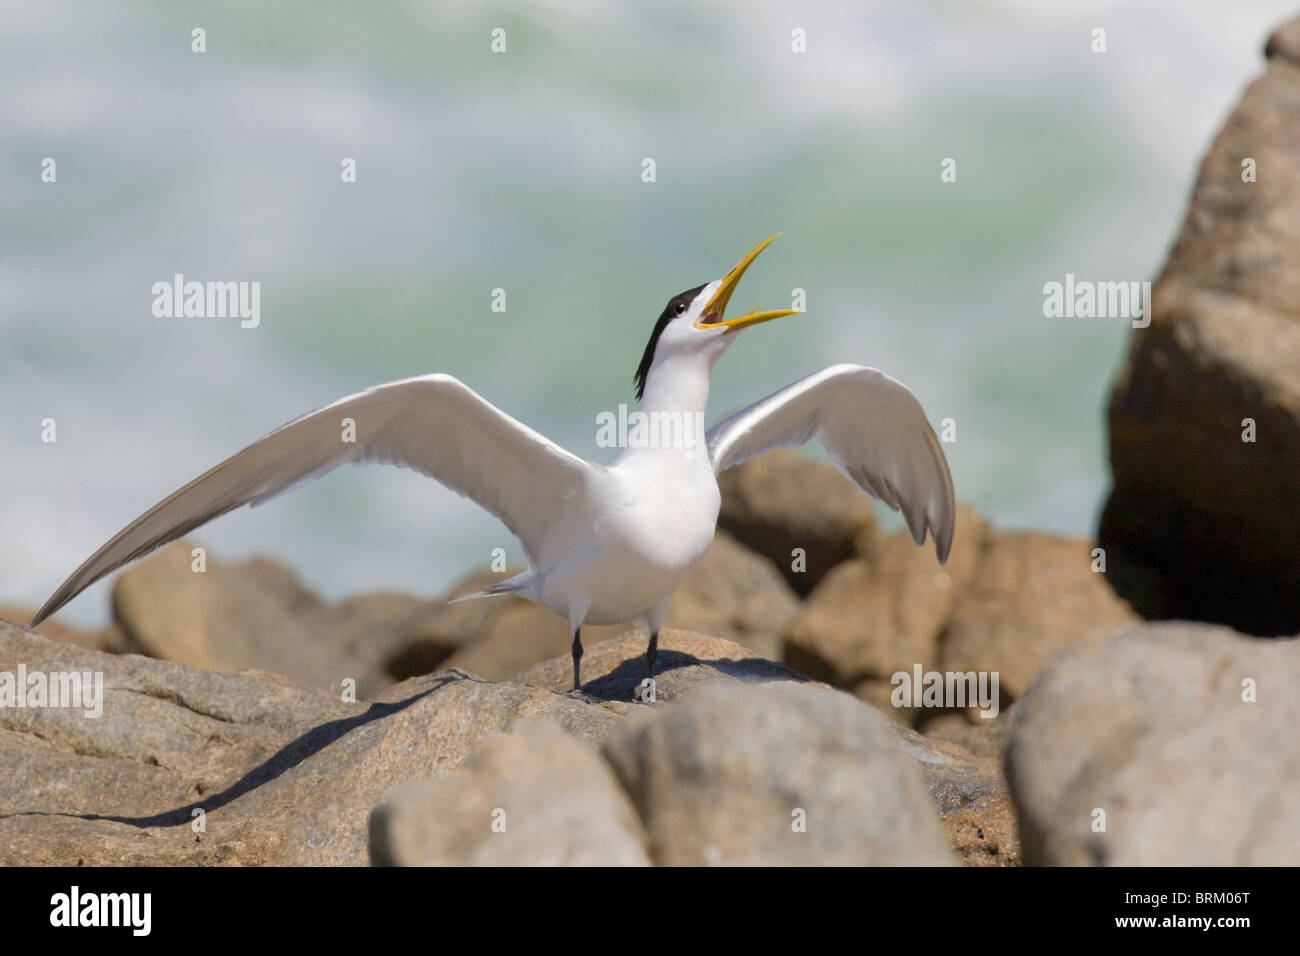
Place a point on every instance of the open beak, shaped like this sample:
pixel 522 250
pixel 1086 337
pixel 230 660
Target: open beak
pixel 712 316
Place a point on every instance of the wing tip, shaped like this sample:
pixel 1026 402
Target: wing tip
pixel 47 610
pixel 943 545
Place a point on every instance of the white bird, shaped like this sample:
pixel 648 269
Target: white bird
pixel 604 544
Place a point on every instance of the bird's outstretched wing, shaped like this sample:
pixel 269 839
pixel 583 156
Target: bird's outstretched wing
pixel 874 430
pixel 434 424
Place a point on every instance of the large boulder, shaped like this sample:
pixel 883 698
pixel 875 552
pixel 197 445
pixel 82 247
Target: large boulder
pixel 536 797
pixel 1032 595
pixel 883 612
pixel 257 614
pixel 775 774
pixel 782 501
pixel 1168 745
pixel 1200 523
pixel 1005 602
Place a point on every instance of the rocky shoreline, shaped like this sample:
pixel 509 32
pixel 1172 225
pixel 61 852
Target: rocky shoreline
pixel 248 722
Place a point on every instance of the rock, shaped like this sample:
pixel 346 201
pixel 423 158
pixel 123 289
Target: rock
pixel 781 500
pixel 970 793
pixel 735 595
pixel 520 634
pixel 613 670
pixel 1031 595
pixel 972 796
pixel 109 639
pixel 227 617
pixel 724 776
pixel 1151 728
pixel 732 594
pixel 534 798
pixel 1285 42
pixel 286 774
pixel 396 635
pixel 986 737
pixel 872 617
pixel 879 693
pixel 1202 524
pixel 452 627
pixel 256 614
pixel 231 617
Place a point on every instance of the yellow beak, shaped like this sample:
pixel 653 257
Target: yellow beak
pixel 711 317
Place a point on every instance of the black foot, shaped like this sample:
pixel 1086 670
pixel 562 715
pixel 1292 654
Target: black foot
pixel 577 656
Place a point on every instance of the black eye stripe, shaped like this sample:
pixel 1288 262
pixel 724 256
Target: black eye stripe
pixel 677 305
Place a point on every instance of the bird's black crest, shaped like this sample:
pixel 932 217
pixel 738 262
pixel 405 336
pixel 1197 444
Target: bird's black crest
pixel 676 305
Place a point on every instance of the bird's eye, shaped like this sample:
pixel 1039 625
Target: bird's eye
pixel 681 307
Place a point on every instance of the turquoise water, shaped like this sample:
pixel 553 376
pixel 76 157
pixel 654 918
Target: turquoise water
pixel 522 171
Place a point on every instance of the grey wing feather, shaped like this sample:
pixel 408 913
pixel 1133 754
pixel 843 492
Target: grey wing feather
pixel 875 432
pixel 434 424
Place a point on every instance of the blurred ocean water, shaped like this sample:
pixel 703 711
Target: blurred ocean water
pixel 522 171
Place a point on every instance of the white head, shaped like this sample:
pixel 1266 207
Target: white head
pixel 693 323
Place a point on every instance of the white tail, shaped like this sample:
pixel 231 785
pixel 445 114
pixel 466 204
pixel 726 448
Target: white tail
pixel 520 582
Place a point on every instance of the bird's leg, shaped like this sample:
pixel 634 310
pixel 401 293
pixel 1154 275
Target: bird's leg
pixel 651 652
pixel 577 656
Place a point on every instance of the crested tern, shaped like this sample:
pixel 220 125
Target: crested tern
pixel 604 543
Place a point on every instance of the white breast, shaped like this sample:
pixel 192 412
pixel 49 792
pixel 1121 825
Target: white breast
pixel 654 518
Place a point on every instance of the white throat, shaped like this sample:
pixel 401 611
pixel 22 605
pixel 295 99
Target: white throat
pixel 674 403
